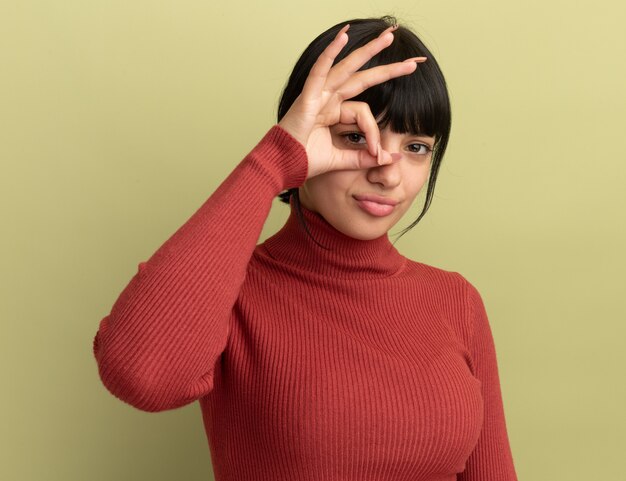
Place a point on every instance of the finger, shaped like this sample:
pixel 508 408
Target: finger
pixel 356 159
pixel 361 81
pixel 362 159
pixel 316 79
pixel 347 66
pixel 359 113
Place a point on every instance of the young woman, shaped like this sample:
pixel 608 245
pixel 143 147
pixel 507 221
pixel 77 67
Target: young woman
pixel 323 353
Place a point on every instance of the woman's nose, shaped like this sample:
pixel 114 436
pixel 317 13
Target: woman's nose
pixel 388 175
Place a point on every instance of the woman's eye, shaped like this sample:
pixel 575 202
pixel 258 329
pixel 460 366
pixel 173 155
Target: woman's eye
pixel 352 137
pixel 425 149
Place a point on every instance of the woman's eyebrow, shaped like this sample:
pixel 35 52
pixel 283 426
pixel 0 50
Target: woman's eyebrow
pixel 421 136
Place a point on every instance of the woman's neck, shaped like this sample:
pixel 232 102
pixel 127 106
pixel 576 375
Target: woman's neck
pixel 340 255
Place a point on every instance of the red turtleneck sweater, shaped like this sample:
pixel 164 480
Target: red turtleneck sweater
pixel 352 363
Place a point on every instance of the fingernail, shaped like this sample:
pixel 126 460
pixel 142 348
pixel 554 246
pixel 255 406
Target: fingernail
pixel 384 160
pixel 378 156
pixel 415 59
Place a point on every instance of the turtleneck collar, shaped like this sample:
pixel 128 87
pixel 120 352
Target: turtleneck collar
pixel 346 257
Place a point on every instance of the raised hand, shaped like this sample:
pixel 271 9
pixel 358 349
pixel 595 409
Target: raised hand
pixel 324 102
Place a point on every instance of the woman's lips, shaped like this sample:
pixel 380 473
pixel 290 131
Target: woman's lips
pixel 375 208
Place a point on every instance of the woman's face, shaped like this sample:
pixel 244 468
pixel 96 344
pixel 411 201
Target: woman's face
pixel 334 194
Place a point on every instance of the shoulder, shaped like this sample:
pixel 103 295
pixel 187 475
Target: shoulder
pixel 437 277
pixel 449 280
pixel 457 295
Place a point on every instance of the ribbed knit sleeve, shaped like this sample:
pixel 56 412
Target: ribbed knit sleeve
pixel 491 459
pixel 157 348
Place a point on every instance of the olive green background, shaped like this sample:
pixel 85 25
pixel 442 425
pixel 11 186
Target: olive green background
pixel 118 119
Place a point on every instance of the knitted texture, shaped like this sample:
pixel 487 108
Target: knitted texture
pixel 347 362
